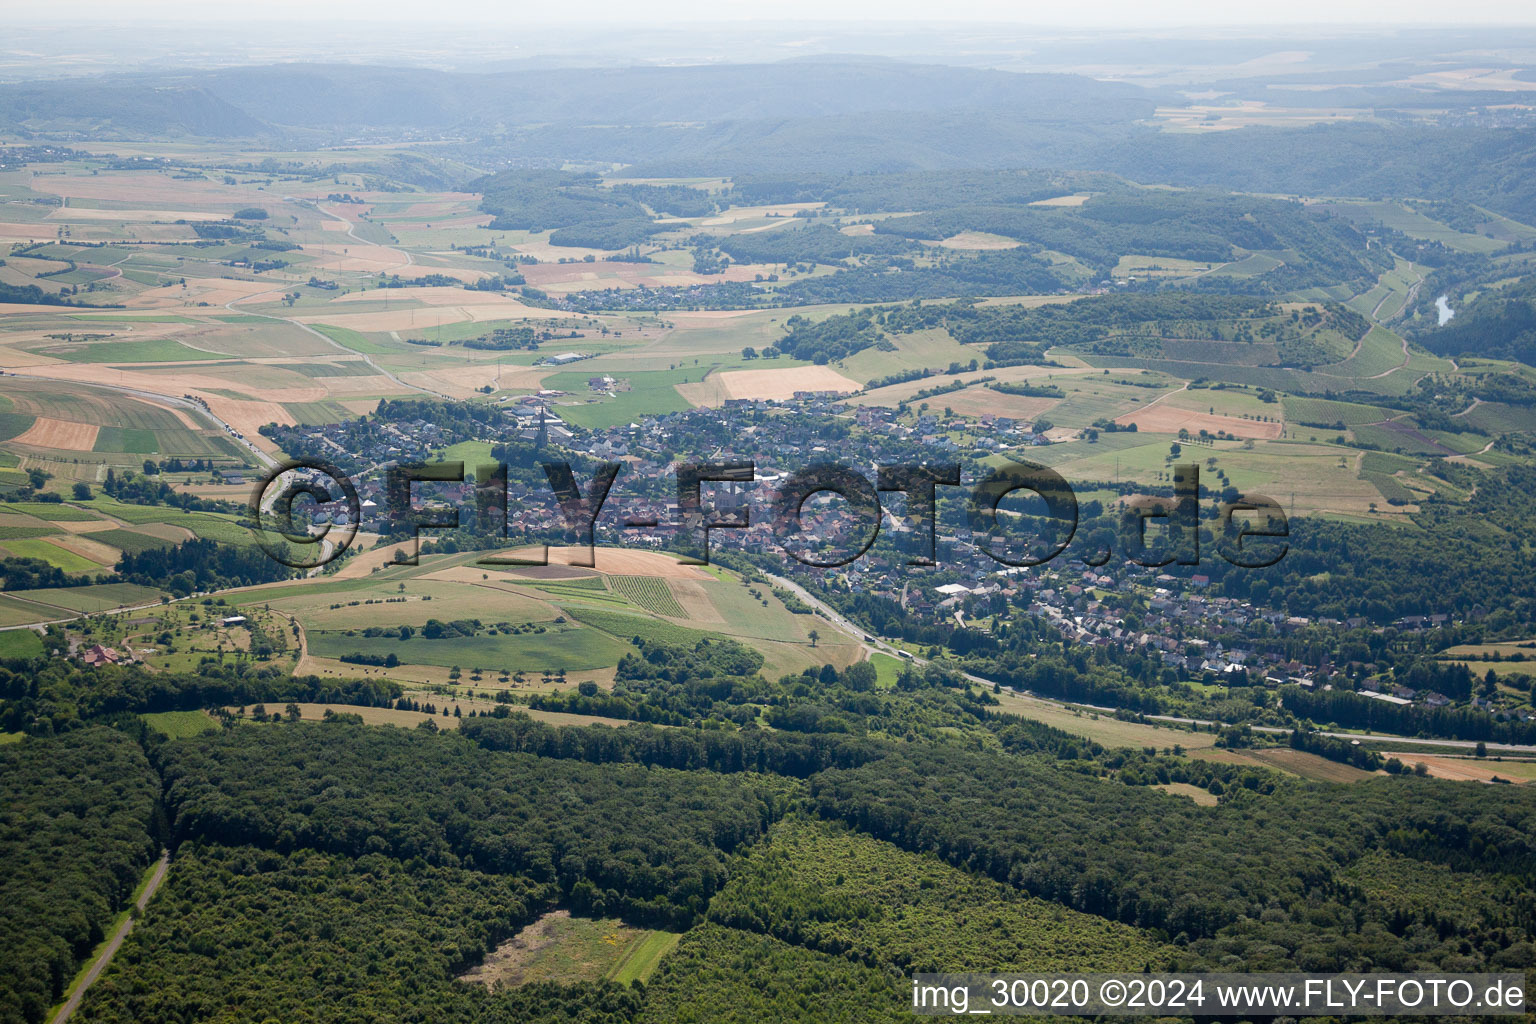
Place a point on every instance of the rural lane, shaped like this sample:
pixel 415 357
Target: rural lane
pixel 114 943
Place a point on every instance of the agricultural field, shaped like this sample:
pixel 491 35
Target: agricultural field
pixel 578 624
pixel 19 643
pixel 1308 766
pixel 1468 769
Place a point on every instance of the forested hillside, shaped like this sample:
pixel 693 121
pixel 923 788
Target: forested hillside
pixel 78 829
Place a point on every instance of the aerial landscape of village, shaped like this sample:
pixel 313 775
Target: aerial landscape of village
pixel 624 527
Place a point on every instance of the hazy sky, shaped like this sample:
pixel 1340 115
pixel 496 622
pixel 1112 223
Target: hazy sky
pixel 596 14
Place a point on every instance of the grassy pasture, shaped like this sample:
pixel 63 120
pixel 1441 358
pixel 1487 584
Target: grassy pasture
pixel 38 547
pixel 887 669
pixel 1110 731
pixel 570 648
pixel 565 949
pixel 15 611
pixel 129 440
pixel 652 392
pixel 423 600
pixel 625 626
pixel 157 350
pixel 1159 266
pixel 24 532
pixel 640 959
pixel 354 340
pixel 14 424
pixel 53 512
pixel 93 599
pixel 916 351
pixel 1239 402
pixel 20 643
pixel 180 724
pixel 1302 476
pixel 131 541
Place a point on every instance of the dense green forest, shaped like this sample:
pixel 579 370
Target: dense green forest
pixel 326 871
pixel 46 697
pixel 248 934
pixel 201 565
pixel 822 886
pixel 1499 323
pixel 818 243
pixel 1198 874
pixel 724 976
pixel 78 829
pixel 585 213
pixel 649 843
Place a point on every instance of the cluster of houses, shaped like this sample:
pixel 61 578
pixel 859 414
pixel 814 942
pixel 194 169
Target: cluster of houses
pixel 1176 620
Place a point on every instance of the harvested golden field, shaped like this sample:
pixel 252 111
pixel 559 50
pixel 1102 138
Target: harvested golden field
pixel 248 417
pixel 1170 419
pixel 213 291
pixel 1463 769
pixel 742 213
pixel 766 384
pixel 1105 729
pixel 1203 797
pixel 464 381
pixel 26 232
pixel 66 434
pixel 154 187
pixel 976 402
pixel 694 598
pixel 978 241
pixel 1307 765
pixel 79 213
pixel 90 526
pixel 350 254
pixel 17 308
pixel 101 554
pixel 566 277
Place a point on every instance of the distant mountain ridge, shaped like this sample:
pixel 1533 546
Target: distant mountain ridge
pixel 237 102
